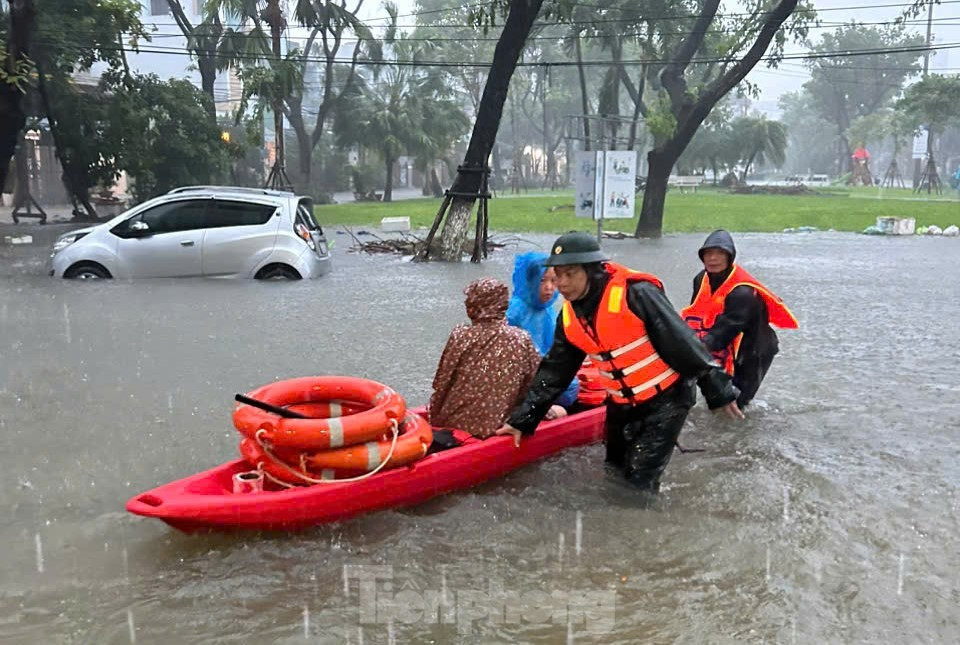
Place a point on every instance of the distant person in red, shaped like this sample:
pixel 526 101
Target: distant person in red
pixel 861 167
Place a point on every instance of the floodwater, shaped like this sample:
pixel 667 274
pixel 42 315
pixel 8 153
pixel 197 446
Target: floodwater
pixel 829 515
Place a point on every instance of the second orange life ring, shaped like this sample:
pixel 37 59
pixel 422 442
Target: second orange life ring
pixel 413 441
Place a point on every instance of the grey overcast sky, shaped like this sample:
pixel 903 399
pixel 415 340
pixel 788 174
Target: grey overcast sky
pixel 791 75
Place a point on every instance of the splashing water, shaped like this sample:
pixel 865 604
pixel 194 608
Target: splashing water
pixel 306 622
pixel 560 550
pixel 578 542
pixel 39 552
pixel 900 577
pixel 768 564
pixel 66 324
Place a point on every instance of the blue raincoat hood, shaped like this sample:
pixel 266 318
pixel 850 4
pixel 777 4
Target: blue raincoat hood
pixel 526 311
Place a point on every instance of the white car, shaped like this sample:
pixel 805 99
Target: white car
pixel 217 231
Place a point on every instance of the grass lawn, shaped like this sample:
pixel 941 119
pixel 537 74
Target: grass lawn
pixel 840 209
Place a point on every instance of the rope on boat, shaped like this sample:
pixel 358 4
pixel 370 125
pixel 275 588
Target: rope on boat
pixel 394 428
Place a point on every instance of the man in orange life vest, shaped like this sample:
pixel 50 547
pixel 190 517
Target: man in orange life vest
pixel 731 312
pixel 648 360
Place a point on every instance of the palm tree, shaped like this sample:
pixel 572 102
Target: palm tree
pixel 762 140
pixel 336 43
pixel 402 109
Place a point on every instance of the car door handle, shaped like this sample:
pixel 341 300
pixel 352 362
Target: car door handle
pixel 186 243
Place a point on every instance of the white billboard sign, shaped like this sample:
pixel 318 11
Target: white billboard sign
pixel 920 144
pixel 585 183
pixel 619 184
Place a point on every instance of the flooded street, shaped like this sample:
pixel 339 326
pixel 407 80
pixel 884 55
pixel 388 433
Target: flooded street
pixel 832 514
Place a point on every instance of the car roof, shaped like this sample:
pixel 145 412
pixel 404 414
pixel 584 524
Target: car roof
pixel 235 190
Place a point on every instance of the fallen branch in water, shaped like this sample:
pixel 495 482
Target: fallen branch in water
pixel 409 244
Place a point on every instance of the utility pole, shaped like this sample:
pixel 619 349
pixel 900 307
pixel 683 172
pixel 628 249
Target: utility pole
pixel 918 163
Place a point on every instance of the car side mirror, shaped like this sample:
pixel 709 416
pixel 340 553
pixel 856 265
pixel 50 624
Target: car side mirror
pixel 139 229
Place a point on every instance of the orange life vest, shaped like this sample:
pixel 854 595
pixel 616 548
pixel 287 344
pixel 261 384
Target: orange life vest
pixel 703 311
pixel 630 368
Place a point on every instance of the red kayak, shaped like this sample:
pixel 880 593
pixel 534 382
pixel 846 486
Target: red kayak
pixel 206 500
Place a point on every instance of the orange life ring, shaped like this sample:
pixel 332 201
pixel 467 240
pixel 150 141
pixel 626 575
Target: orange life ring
pixel 414 440
pixel 328 409
pixel 372 408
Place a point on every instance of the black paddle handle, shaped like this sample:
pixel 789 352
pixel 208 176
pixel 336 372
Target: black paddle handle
pixel 283 412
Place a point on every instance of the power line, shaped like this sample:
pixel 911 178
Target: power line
pixel 648 17
pixel 555 38
pixel 177 51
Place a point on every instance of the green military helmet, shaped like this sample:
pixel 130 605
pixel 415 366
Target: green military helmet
pixel 575 248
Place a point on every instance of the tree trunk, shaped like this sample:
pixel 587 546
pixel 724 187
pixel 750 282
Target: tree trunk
pixel 584 100
pixel 551 176
pixel 427 188
pixel 497 156
pixel 21 192
pixel 636 95
pixel 304 161
pixel 690 110
pixel 470 177
pixel 655 194
pixel 12 115
pixel 435 185
pixel 73 179
pixel 746 168
pixel 388 185
pixel 304 144
pixel 208 78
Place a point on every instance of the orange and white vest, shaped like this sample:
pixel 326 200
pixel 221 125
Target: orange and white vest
pixel 703 311
pixel 630 368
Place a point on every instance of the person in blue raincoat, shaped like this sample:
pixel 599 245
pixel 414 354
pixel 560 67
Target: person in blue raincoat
pixel 534 307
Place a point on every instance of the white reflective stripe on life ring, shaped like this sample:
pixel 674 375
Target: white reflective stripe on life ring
pixel 373 455
pixel 336 432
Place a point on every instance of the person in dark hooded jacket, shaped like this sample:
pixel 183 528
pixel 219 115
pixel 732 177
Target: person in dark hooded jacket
pixel 731 312
pixel 647 357
pixel 534 307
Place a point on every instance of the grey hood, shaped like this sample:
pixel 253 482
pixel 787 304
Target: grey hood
pixel 720 239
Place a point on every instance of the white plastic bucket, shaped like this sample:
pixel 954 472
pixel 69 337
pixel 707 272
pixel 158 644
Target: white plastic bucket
pixel 248 482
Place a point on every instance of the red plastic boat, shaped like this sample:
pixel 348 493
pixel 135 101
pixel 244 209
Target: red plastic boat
pixel 206 500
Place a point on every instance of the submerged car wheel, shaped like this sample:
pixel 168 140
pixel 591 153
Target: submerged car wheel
pixel 278 272
pixel 87 271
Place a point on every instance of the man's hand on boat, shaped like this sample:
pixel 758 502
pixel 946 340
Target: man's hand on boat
pixel 555 412
pixel 731 410
pixel 510 430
